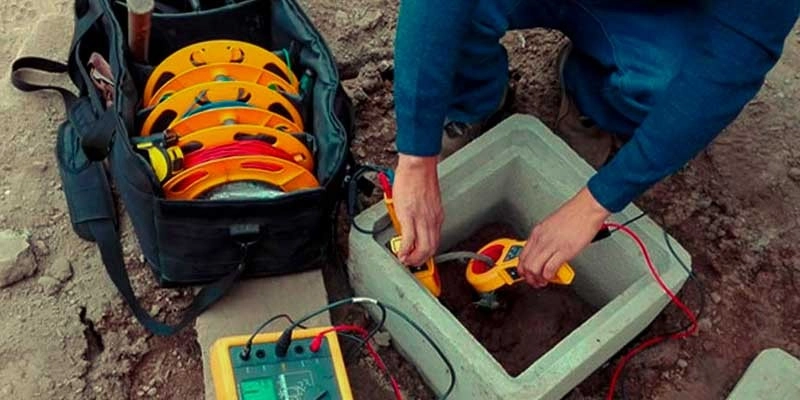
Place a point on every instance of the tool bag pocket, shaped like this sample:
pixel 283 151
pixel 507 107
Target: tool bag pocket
pixel 193 242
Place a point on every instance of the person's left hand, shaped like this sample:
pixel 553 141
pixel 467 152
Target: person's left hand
pixel 560 237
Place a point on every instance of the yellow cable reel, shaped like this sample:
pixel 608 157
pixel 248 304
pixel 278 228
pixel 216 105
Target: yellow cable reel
pixel 221 72
pixel 211 95
pixel 222 135
pixel 194 182
pixel 215 52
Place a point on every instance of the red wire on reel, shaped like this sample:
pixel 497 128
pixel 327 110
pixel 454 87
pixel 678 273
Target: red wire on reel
pixel 675 300
pixel 239 148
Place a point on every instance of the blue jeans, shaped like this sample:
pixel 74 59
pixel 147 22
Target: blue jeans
pixel 623 55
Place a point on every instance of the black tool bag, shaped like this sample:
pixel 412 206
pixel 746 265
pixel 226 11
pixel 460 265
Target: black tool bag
pixel 197 242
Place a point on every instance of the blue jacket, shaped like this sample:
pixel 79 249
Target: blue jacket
pixel 738 42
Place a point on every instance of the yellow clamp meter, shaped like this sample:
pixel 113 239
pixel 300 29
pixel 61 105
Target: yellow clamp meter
pixel 506 252
pixel 302 374
pixel 425 274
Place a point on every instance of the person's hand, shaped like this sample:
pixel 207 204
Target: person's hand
pixel 418 204
pixel 560 237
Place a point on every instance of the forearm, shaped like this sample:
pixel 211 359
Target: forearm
pixel 720 76
pixel 427 43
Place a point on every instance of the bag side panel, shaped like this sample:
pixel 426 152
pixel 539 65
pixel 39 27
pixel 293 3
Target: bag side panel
pixel 198 248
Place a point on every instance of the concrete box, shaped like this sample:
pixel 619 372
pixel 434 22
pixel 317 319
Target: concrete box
pixel 773 375
pixel 517 173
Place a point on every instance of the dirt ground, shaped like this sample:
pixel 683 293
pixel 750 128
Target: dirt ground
pixel 554 311
pixel 66 334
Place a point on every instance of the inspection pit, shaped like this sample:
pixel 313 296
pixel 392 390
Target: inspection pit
pixel 517 173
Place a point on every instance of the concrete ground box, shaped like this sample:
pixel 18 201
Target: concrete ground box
pixel 517 173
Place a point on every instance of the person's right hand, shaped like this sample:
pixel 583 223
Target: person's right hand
pixel 418 204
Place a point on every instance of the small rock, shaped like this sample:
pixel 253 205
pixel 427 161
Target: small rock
pixel 61 269
pixel 40 165
pixel 781 95
pixel 151 392
pixel 382 339
pixel 704 324
pixel 794 174
pixel 40 247
pixel 341 18
pixel 360 95
pixel 16 263
pixel 140 393
pixel 50 285
pixel 385 66
pixel 369 20
pixel 708 345
pixel 682 363
pixel 155 309
pixel 793 348
pixel 715 297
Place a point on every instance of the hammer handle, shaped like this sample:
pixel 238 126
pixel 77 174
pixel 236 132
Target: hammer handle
pixel 140 13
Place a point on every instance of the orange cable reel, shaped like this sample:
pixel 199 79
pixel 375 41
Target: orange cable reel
pixel 210 95
pixel 232 116
pixel 275 172
pixel 212 52
pixel 290 147
pixel 221 73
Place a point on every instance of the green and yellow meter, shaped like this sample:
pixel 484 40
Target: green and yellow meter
pixel 303 374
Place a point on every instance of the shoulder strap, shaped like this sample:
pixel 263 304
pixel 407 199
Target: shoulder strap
pixel 87 185
pixel 95 129
pixel 107 240
pixel 44 65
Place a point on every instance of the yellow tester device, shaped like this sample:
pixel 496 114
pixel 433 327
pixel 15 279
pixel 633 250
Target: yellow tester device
pixel 425 274
pixel 260 374
pixel 505 252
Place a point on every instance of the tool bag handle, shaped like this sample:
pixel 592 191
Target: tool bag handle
pixel 92 209
pixel 44 65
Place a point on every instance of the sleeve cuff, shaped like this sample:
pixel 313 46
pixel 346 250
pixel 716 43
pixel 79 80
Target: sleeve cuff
pixel 420 137
pixel 613 198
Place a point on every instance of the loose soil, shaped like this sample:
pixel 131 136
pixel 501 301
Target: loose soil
pixel 734 207
pixel 528 323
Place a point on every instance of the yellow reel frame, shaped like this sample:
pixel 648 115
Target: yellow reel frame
pixel 193 182
pixel 216 52
pixel 231 116
pixel 226 134
pixel 221 73
pixel 186 101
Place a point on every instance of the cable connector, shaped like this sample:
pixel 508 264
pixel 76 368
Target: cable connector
pixel 602 234
pixel 283 343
